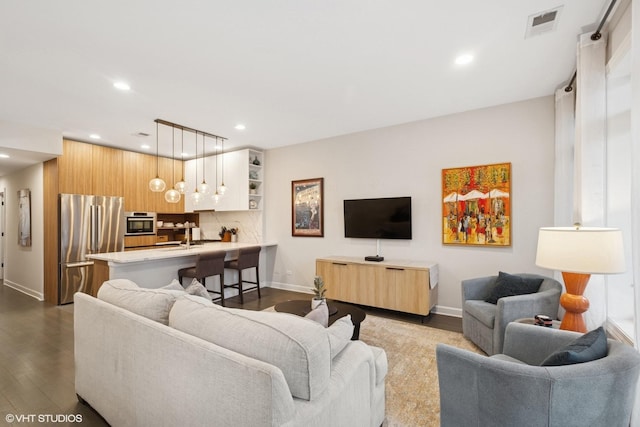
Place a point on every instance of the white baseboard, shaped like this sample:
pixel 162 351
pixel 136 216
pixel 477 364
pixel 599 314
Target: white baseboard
pixel 290 287
pixel 617 334
pixel 37 295
pixel 447 311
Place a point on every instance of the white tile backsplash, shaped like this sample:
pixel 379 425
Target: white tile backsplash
pixel 249 224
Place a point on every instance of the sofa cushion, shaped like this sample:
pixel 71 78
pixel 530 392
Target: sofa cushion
pixel 340 333
pixel 320 314
pixel 154 304
pixel 482 311
pixel 509 285
pixel 196 288
pixel 588 347
pixel 174 286
pixel 298 347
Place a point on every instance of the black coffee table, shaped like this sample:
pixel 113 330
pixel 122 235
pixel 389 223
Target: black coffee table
pixel 336 311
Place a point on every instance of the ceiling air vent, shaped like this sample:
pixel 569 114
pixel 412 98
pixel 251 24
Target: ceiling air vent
pixel 141 134
pixel 542 22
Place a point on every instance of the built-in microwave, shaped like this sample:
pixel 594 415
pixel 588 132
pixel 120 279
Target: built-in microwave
pixel 140 223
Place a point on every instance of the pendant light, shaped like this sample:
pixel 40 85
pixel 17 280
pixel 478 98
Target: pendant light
pixel 181 185
pixel 203 187
pixel 157 184
pixel 223 188
pixel 172 195
pixel 216 196
pixel 196 196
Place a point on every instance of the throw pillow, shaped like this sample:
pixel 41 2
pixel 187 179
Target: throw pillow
pixel 196 288
pixel 508 285
pixel 174 286
pixel 154 304
pixel 588 347
pixel 320 314
pixel 340 334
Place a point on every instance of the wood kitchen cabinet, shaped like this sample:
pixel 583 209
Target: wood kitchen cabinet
pixel 401 286
pixel 93 169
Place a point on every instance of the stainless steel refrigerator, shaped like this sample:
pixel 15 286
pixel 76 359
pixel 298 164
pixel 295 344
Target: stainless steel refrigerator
pixel 88 225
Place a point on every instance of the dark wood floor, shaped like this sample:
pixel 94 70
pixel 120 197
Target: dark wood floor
pixel 36 352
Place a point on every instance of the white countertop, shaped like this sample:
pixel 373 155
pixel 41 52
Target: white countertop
pixel 171 252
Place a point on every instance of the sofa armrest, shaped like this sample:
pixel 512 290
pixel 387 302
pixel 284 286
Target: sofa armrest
pixel 532 344
pixel 477 288
pixel 519 306
pixel 479 390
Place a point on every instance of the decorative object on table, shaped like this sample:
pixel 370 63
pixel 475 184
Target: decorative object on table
pixel 318 291
pixel 252 187
pixel 307 212
pixel 543 320
pixel 24 217
pixel 256 161
pixel 579 252
pixel 476 207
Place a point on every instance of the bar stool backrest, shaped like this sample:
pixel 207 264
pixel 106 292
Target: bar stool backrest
pixel 210 264
pixel 248 257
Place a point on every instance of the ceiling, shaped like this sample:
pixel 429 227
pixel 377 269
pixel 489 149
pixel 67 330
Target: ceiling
pixel 291 71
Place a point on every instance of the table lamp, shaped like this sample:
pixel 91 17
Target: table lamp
pixel 579 252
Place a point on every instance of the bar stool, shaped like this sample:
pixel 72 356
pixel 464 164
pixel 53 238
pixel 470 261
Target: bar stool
pixel 247 258
pixel 207 264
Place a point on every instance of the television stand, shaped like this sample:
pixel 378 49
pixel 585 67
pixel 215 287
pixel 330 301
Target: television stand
pixel 375 258
pixel 400 285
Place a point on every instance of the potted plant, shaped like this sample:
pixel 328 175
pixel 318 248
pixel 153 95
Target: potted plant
pixel 318 291
pixel 252 188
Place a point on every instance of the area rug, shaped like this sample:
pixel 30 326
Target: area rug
pixel 412 393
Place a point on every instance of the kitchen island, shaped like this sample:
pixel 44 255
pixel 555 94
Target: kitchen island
pixel 155 268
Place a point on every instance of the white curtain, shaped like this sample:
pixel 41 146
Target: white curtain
pixel 589 208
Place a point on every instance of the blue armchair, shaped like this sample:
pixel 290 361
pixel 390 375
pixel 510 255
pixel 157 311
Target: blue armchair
pixel 510 389
pixel 484 323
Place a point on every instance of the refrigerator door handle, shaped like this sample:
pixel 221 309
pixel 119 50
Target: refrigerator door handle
pixel 78 264
pixel 94 245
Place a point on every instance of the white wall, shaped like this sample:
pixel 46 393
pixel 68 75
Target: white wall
pixel 407 160
pixel 24 266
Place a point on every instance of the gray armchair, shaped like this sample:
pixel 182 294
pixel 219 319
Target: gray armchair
pixel 510 389
pixel 484 323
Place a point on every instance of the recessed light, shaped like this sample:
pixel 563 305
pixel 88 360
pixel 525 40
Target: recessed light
pixel 4 156
pixel 240 126
pixel 464 59
pixel 94 136
pixel 145 146
pixel 184 154
pixel 121 86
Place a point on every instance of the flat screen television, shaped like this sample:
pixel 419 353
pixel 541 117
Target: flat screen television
pixel 383 218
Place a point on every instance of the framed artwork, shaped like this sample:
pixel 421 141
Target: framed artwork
pixel 307 212
pixel 476 205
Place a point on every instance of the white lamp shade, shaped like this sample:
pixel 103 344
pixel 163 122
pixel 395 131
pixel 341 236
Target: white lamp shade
pixel 589 250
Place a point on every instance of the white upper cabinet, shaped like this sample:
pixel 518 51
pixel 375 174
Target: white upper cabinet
pixel 242 174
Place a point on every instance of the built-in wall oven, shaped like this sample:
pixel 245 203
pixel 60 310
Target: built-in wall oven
pixel 140 223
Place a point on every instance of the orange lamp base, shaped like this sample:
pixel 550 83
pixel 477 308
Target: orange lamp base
pixel 574 302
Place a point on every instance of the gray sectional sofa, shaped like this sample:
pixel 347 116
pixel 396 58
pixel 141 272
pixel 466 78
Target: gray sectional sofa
pixel 161 357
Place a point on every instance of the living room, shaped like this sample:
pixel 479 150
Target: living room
pixel 404 159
